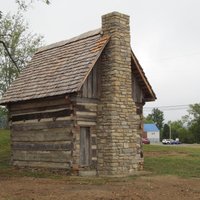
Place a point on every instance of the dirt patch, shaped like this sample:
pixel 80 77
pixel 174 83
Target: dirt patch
pixel 146 188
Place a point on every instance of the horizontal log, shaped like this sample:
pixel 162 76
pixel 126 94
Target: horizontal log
pixel 86 113
pixel 38 103
pixel 44 156
pixel 42 125
pixel 86 119
pixel 56 134
pixel 86 108
pixel 43 120
pixel 41 115
pixel 58 165
pixel 86 123
pixel 68 146
pixel 35 109
pixel 82 100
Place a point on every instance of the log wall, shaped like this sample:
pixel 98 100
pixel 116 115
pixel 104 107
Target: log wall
pixel 46 133
pixel 41 133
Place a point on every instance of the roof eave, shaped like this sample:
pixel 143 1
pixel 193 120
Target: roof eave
pixel 144 78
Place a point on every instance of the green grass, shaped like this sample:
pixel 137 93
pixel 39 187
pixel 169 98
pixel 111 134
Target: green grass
pixel 183 161
pixel 4 148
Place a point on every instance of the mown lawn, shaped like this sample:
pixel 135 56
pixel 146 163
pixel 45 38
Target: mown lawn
pixel 183 161
pixel 4 148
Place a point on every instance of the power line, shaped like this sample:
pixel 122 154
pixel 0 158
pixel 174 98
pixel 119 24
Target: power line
pixel 174 57
pixel 167 108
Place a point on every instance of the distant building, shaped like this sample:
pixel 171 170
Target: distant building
pixel 151 132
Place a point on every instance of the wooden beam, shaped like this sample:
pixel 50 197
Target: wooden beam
pixel 42 115
pixel 55 165
pixel 42 146
pixel 44 156
pixel 42 125
pixel 38 103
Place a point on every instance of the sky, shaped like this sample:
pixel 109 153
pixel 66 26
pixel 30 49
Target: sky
pixel 165 37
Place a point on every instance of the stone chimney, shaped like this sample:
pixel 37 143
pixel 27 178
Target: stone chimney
pixel 117 132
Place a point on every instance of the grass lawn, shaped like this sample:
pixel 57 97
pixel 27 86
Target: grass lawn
pixel 183 161
pixel 4 148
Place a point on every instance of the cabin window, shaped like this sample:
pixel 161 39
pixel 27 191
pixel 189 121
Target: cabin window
pixel 85 146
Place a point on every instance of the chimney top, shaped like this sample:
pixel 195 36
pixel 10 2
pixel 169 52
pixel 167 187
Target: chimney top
pixel 115 13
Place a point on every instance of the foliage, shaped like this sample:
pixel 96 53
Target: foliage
pixel 148 120
pixel 176 128
pixel 157 117
pixel 165 132
pixel 21 44
pixel 3 111
pixel 179 130
pixel 187 129
pixel 25 4
pixel 194 130
pixel 193 122
pixel 173 160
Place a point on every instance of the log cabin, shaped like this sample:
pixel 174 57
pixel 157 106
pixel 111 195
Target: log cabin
pixel 78 104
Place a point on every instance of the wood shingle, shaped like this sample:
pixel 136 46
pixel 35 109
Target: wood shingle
pixel 58 69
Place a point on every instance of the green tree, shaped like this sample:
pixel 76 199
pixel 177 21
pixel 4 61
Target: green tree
pixel 179 130
pixel 21 45
pixel 193 121
pixel 165 131
pixel 25 4
pixel 157 116
pixel 176 127
pixel 147 120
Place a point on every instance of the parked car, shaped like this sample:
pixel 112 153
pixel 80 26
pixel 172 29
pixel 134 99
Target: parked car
pixel 166 141
pixel 170 141
pixel 175 142
pixel 145 141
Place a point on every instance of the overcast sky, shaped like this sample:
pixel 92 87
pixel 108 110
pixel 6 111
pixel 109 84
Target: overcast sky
pixel 165 36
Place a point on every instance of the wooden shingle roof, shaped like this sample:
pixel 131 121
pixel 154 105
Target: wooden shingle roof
pixel 57 69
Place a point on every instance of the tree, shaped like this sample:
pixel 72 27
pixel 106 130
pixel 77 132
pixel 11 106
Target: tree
pixel 147 120
pixel 157 117
pixel 165 132
pixel 21 45
pixel 25 4
pixel 193 121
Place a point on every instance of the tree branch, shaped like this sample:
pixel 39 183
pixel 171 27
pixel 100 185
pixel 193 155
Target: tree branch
pixel 10 55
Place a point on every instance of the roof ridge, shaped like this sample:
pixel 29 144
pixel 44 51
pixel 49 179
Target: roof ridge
pixel 73 39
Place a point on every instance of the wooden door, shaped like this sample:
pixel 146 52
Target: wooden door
pixel 85 146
